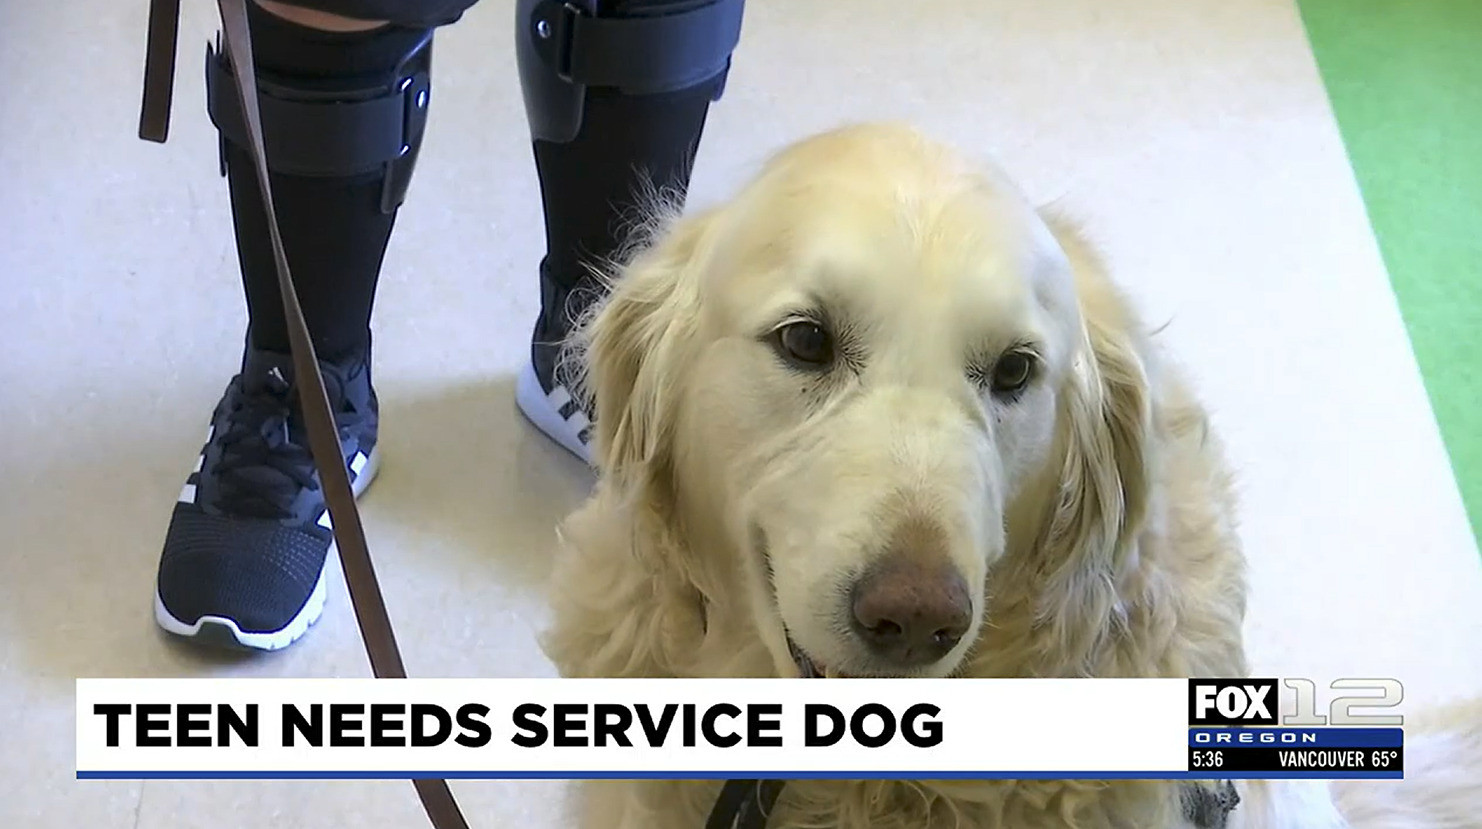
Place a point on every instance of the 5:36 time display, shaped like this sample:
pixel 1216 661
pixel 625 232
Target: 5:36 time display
pixel 1206 759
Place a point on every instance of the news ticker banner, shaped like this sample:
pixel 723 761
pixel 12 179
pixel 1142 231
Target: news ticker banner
pixel 708 729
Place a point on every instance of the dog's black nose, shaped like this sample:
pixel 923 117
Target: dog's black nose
pixel 911 612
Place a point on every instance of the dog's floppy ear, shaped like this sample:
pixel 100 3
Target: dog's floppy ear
pixel 633 347
pixel 629 595
pixel 1107 411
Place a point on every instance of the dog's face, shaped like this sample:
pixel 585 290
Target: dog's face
pixel 852 375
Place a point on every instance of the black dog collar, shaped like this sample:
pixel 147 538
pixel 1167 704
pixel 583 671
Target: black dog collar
pixel 744 804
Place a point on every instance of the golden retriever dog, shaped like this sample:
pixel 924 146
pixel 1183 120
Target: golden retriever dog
pixel 878 416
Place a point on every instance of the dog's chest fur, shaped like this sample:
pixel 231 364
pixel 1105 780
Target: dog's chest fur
pixel 923 805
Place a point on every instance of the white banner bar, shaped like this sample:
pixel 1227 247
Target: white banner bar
pixel 520 728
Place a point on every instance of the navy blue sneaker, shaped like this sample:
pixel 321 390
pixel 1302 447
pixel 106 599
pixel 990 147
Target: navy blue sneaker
pixel 249 542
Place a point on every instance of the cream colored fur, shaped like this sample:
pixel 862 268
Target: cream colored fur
pixel 1095 512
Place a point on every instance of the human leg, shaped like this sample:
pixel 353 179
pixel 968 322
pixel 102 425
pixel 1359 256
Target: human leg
pixel 343 104
pixel 616 93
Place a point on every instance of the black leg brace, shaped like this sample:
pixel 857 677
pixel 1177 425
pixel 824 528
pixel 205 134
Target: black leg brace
pixel 616 92
pixel 343 116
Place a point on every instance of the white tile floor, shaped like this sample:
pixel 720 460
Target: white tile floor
pixel 1193 135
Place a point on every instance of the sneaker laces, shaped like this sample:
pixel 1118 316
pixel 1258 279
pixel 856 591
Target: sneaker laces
pixel 265 461
pixel 262 468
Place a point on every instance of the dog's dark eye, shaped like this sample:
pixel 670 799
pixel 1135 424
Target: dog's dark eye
pixel 1012 373
pixel 806 344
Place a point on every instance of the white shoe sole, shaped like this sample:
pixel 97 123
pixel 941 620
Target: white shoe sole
pixel 544 413
pixel 221 630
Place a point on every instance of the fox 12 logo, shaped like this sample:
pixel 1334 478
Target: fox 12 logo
pixel 1257 702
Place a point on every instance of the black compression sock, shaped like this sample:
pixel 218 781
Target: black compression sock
pixel 334 231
